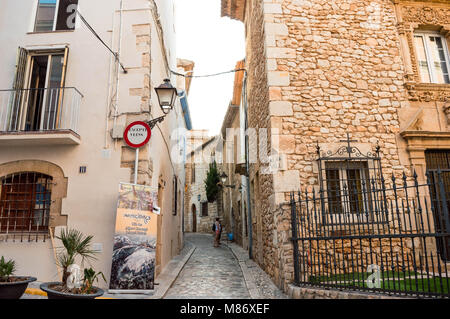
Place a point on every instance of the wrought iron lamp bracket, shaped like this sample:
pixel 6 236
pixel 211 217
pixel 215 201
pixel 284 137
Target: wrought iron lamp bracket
pixel 152 123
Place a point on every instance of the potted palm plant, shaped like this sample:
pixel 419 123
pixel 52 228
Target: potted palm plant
pixel 12 287
pixel 75 245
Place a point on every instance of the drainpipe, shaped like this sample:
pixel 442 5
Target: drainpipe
pixel 247 165
pixel 116 102
pixel 108 99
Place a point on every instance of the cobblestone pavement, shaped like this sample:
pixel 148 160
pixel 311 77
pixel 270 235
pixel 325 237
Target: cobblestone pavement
pixel 220 273
pixel 224 272
pixel 259 283
pixel 209 273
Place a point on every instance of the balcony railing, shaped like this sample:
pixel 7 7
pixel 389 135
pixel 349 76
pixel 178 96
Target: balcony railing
pixel 42 109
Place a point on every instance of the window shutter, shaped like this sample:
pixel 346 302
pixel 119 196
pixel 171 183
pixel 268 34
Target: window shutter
pixel 63 82
pixel 21 64
pixel 14 114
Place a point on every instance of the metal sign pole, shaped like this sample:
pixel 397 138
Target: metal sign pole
pixel 136 164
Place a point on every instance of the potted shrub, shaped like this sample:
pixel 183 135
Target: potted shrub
pixel 12 287
pixel 75 244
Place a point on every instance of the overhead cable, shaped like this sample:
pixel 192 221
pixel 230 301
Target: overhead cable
pixel 116 55
pixel 206 75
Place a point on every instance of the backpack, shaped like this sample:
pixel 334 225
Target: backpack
pixel 213 227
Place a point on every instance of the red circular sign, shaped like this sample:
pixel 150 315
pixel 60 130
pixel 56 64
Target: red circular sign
pixel 137 134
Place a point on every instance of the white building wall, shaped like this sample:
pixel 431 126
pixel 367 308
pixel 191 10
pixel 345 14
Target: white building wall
pixel 92 197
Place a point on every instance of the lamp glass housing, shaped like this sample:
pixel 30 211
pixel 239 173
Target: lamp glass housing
pixel 167 95
pixel 223 177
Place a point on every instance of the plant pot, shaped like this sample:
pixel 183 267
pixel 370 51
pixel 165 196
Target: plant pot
pixel 54 294
pixel 15 290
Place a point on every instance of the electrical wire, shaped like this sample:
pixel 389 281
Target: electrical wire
pixel 116 55
pixel 206 75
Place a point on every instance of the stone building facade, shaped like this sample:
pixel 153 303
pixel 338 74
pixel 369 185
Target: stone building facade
pixel 235 190
pixel 199 213
pixel 318 70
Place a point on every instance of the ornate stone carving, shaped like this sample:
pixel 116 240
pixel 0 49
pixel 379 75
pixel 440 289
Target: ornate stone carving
pixel 412 17
pixel 426 15
pixel 428 92
pixel 447 112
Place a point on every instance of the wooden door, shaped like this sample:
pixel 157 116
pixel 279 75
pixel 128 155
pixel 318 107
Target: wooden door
pixel 194 219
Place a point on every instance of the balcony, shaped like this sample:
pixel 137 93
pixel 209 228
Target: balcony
pixel 42 116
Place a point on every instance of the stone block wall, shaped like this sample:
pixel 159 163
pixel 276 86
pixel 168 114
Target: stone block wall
pixel 327 68
pixel 258 117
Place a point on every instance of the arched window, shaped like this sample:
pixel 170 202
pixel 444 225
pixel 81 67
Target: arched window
pixel 25 200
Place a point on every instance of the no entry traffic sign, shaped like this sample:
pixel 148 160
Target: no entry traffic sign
pixel 137 134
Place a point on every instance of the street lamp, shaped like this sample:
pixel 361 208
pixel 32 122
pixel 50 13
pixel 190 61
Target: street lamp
pixel 167 95
pixel 223 177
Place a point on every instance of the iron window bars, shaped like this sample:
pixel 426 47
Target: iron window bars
pixel 347 177
pixel 25 200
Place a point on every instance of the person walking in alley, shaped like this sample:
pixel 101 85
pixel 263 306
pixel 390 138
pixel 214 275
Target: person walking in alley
pixel 217 231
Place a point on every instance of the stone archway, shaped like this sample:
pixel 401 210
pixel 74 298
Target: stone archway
pixel 59 189
pixel 194 218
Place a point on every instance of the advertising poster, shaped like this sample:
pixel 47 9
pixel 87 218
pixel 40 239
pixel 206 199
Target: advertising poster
pixel 134 252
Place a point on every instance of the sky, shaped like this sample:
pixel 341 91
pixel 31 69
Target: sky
pixel 215 44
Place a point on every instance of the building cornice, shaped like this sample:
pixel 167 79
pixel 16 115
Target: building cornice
pixel 419 1
pixel 235 9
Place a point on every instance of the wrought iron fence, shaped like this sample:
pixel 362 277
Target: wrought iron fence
pixel 388 236
pixel 42 109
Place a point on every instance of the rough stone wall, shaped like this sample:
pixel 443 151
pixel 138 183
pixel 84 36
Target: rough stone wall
pixel 258 117
pixel 295 292
pixel 345 75
pixel 332 68
pixel 196 188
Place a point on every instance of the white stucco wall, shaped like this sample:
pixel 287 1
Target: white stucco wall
pixel 91 197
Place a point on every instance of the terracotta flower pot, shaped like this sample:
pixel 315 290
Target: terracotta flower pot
pixel 15 290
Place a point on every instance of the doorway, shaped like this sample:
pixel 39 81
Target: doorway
pixel 39 90
pixel 194 218
pixel 45 94
pixel 438 170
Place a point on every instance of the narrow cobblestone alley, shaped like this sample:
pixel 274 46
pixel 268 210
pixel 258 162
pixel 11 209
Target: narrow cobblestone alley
pixel 209 273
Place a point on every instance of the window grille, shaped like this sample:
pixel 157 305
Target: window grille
pixel 348 179
pixel 25 200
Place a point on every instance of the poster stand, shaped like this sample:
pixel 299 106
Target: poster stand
pixel 134 253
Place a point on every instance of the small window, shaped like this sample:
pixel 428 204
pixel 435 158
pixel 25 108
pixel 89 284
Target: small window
pixel 433 57
pixel 204 209
pixel 55 15
pixel 25 200
pixel 193 174
pixel 348 187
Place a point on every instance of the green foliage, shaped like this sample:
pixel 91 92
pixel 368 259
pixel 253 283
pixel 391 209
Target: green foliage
pixel 75 244
pixel 7 268
pixel 211 182
pixel 89 277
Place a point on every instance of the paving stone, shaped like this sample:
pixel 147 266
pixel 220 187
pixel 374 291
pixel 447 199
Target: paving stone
pixel 209 273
